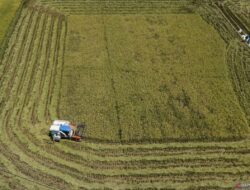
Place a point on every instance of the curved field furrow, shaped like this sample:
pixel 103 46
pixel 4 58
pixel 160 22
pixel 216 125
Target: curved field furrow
pixel 128 163
pixel 21 165
pixel 41 159
pixel 56 166
pixel 175 150
pixel 24 57
pixel 10 181
pixel 229 174
pixel 82 157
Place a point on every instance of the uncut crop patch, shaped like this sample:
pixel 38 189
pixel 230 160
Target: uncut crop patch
pixel 7 10
pixel 152 77
pixel 7 22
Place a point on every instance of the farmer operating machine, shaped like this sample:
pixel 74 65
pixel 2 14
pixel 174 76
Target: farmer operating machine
pixel 61 129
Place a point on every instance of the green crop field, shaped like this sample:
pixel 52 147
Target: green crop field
pixel 163 87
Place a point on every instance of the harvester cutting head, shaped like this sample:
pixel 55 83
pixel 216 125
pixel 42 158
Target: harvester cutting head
pixel 79 130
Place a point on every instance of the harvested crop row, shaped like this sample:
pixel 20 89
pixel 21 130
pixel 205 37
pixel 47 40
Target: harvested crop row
pixel 162 149
pixel 68 171
pixel 10 67
pixel 4 62
pixel 238 59
pixel 121 7
pixel 125 162
pixel 20 76
pixel 240 8
pixel 213 15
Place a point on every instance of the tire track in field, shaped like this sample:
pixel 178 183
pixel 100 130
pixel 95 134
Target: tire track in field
pixel 112 81
pixel 104 7
pixel 143 162
pixel 45 67
pixel 99 176
pixel 172 162
pixel 9 180
pixel 62 70
pixel 163 151
pixel 20 54
pixel 24 61
pixel 102 177
pixel 8 56
pixel 34 64
pixel 27 58
pixel 168 177
pixel 37 61
pixel 13 76
pixel 36 87
pixel 16 123
pixel 48 69
pixel 53 71
pixel 11 113
pixel 232 18
pixel 14 53
pixel 22 166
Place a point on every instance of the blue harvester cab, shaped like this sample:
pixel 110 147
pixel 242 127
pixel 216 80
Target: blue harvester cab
pixel 65 128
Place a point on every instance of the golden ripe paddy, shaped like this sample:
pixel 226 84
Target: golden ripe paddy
pixel 149 78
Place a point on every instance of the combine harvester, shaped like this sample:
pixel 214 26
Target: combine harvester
pixel 61 129
pixel 245 37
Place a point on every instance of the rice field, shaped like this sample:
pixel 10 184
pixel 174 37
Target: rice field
pixel 140 78
pixel 165 102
